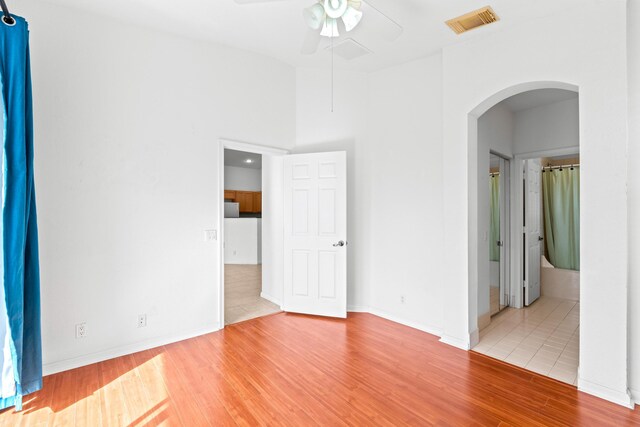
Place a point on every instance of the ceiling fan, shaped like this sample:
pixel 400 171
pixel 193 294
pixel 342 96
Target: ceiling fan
pixel 331 18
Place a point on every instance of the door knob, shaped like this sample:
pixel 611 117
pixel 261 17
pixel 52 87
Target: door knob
pixel 339 244
pixel 499 243
pixel 540 238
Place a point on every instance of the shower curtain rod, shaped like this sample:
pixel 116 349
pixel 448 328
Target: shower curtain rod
pixel 6 16
pixel 577 165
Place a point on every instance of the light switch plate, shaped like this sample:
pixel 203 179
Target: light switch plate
pixel 210 235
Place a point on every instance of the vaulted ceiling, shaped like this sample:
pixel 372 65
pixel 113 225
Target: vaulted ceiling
pixel 276 28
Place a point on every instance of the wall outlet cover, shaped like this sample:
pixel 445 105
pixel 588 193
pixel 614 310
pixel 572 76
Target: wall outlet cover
pixel 142 320
pixel 81 330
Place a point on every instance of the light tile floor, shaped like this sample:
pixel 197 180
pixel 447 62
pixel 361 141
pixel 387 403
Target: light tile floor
pixel 242 301
pixel 543 338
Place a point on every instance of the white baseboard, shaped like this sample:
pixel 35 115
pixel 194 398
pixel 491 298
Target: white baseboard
pixel 455 342
pixel 88 359
pixel 615 396
pixel 474 338
pixel 274 300
pixel 357 309
pixel 415 325
pixel 635 395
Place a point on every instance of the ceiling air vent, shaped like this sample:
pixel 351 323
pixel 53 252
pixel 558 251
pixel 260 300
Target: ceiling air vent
pixel 472 20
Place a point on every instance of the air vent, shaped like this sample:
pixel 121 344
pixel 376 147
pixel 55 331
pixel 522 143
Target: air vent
pixel 472 20
pixel 349 49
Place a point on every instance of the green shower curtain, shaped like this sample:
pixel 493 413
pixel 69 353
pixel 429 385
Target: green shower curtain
pixel 561 202
pixel 494 249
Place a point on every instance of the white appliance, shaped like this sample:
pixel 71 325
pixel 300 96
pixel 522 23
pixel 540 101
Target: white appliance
pixel 231 210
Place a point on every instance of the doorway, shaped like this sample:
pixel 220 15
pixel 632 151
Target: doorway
pixel 250 224
pixel 539 331
pixel 304 230
pixel 243 196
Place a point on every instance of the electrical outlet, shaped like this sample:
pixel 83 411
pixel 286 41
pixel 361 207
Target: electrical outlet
pixel 210 235
pixel 401 299
pixel 142 320
pixel 81 330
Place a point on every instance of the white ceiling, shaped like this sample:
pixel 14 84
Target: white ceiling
pixel 537 98
pixel 276 29
pixel 239 159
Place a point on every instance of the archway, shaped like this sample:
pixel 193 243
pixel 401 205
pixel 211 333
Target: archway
pixel 528 131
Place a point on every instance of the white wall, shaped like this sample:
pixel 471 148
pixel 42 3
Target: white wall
pixel 633 49
pixel 591 56
pixel 244 179
pixel 495 133
pixel 547 127
pixel 318 129
pixel 127 123
pixel 404 154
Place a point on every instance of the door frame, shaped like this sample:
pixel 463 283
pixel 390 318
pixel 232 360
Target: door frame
pixel 517 193
pixel 249 148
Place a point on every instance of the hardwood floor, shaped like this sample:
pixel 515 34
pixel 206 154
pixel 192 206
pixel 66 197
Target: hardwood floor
pixel 295 370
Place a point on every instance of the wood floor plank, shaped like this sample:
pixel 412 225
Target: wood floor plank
pixel 294 370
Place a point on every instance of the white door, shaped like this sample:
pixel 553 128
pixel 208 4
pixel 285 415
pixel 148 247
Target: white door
pixel 532 229
pixel 315 234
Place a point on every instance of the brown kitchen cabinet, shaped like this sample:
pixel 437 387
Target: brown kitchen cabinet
pixel 250 201
pixel 257 202
pixel 245 198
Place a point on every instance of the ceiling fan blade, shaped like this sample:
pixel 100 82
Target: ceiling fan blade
pixel 386 26
pixel 311 42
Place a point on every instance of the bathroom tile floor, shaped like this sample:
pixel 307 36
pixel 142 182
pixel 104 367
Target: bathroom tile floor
pixel 242 300
pixel 542 338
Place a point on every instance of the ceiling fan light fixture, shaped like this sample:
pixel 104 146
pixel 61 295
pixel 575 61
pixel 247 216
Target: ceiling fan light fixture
pixel 351 18
pixel 330 28
pixel 335 8
pixel 314 16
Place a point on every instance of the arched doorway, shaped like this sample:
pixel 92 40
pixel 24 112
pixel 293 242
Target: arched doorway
pixel 522 130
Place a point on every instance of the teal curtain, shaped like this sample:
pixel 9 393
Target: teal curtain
pixel 561 202
pixel 22 371
pixel 494 249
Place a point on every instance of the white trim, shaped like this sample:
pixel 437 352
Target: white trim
pixel 615 396
pixel 455 342
pixel 240 146
pixel 357 309
pixel 272 299
pixel 415 325
pixel 635 395
pixel 474 338
pixel 252 148
pixel 548 153
pixel 88 359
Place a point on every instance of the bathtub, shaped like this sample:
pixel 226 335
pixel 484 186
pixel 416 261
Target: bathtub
pixel 559 283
